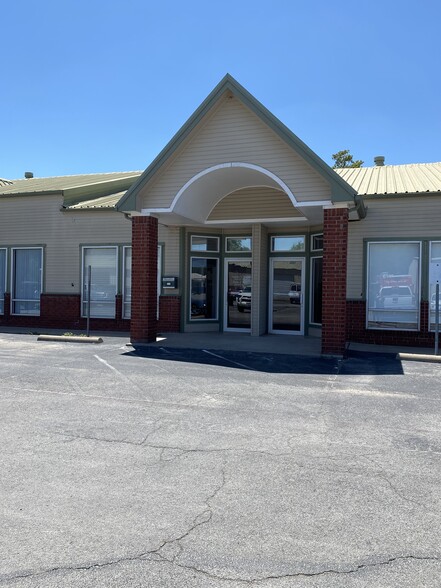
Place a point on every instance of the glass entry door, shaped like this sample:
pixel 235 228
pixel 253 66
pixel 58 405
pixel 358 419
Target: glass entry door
pixel 286 304
pixel 237 315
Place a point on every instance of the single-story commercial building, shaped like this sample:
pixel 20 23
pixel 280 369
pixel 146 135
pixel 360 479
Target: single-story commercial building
pixel 236 226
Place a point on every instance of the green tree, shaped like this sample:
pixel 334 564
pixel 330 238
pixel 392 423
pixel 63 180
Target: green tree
pixel 345 159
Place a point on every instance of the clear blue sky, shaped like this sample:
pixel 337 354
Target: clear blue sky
pixel 102 86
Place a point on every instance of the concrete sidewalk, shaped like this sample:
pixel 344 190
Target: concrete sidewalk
pixel 278 344
pixel 283 344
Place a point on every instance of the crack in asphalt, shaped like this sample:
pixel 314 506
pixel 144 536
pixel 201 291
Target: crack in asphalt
pixel 184 451
pixel 383 476
pixel 321 414
pixel 329 571
pixel 353 570
pixel 201 518
pixel 170 550
pixel 146 556
pixel 73 568
pixel 163 448
pixel 72 437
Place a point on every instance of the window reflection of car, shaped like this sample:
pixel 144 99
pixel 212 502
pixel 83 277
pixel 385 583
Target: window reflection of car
pixel 198 308
pixel 395 297
pixel 244 301
pixel 233 295
pixel 433 302
pixel 198 299
pixel 295 294
pixel 97 293
pixel 30 290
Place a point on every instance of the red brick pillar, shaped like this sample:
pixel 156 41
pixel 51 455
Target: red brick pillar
pixel 118 308
pixel 7 306
pixel 143 324
pixel 335 252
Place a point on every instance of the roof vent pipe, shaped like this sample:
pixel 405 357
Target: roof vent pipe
pixel 29 175
pixel 379 160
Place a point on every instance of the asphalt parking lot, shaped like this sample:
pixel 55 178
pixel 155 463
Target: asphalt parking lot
pixel 174 468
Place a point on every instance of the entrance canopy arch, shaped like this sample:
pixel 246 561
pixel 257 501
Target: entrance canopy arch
pixel 200 194
pixel 231 128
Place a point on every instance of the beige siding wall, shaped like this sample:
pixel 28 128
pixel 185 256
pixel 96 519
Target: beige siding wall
pixel 259 300
pixel 402 218
pixel 38 221
pixel 169 237
pixel 234 133
pixel 254 203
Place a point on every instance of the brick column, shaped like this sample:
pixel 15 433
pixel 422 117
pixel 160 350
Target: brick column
pixel 169 314
pixel 118 308
pixel 335 251
pixel 143 324
pixel 7 306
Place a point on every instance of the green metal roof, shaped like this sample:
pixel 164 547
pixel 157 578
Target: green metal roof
pixel 105 202
pixel 341 191
pixel 74 189
pixel 78 191
pixel 64 183
pixel 415 178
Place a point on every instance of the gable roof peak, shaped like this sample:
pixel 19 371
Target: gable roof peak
pixel 340 189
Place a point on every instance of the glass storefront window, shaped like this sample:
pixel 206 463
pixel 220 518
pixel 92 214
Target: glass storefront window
pixel 127 282
pixel 103 262
pixel 27 269
pixel 2 280
pixel 286 295
pixel 434 274
pixel 393 285
pixel 238 244
pixel 201 243
pixel 317 242
pixel 204 288
pixel 238 277
pixel 316 290
pixel 288 243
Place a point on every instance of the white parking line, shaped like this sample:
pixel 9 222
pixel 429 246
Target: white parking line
pixel 226 359
pixel 108 365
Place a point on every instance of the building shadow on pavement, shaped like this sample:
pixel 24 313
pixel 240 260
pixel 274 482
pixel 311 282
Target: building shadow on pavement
pixel 356 363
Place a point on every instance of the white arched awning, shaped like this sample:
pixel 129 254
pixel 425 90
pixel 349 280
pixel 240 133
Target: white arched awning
pixel 202 192
pixel 197 198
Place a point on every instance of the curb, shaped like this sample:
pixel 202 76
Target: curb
pixel 69 338
pixel 419 357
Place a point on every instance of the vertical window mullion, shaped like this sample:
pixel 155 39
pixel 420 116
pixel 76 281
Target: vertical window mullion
pixel 159 280
pixel 27 276
pixel 434 275
pixel 316 290
pixel 103 261
pixel 127 282
pixel 2 280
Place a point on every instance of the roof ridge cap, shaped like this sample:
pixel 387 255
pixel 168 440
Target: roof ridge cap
pixel 76 175
pixel 389 165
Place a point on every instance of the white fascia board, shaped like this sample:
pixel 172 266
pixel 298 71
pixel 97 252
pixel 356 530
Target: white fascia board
pixel 153 211
pixel 320 203
pixel 339 205
pixel 257 220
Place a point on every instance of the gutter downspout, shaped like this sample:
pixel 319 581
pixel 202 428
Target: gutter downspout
pixel 359 208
